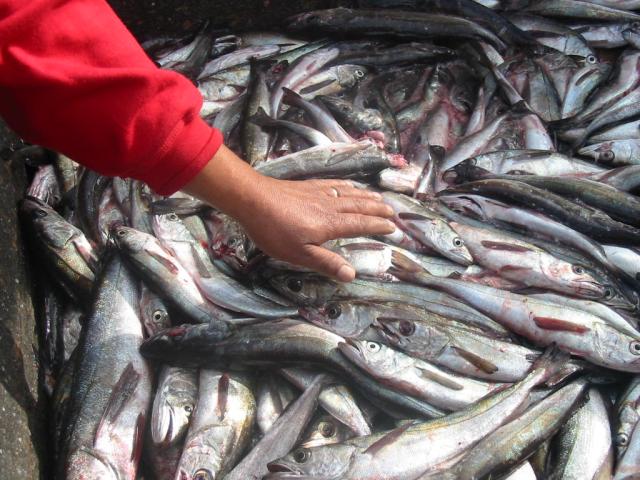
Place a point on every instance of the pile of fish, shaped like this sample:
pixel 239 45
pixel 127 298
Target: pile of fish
pixel 493 335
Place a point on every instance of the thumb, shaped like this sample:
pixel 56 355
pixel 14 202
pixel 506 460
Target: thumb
pixel 327 263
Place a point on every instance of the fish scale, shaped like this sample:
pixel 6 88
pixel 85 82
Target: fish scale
pixel 503 309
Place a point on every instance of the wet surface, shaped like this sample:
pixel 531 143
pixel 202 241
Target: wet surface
pixel 22 405
pixel 148 18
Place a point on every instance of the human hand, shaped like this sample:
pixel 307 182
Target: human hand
pixel 290 220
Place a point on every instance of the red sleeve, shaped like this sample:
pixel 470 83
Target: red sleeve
pixel 73 79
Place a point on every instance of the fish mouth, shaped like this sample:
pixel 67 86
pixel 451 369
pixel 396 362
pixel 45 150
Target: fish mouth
pixel 592 290
pixel 387 329
pixel 462 256
pixel 278 467
pixel 350 349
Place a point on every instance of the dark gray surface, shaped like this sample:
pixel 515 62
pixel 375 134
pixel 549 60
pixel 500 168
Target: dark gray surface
pixel 22 404
pixel 149 18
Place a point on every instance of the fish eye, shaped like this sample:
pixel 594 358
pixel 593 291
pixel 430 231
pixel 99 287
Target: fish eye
pixel 173 217
pixel 591 59
pixel 203 474
pixel 578 270
pixel 327 429
pixel 608 156
pixel 634 347
pixel 158 315
pixel 121 233
pixel 635 25
pixel 375 347
pixel 622 439
pixel 39 213
pixel 334 311
pixel 188 409
pixel 294 284
pixel 233 241
pixel 407 328
pixel 608 293
pixel 457 242
pixel 359 73
pixel 301 456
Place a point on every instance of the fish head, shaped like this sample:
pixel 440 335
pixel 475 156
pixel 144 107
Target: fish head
pixel 169 227
pixel 579 278
pixel 619 349
pixel 326 430
pixel 154 313
pixel 372 356
pixel 129 239
pixel 346 319
pixel 173 405
pixel 628 418
pixel 48 224
pixel 397 331
pixel 329 462
pixel 304 289
pixel 450 244
pixel 601 152
pixel 230 243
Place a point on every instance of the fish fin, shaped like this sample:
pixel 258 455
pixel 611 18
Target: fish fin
pixel 138 438
pixel 121 394
pixel 507 247
pixel 364 246
pixel 262 119
pixel 290 97
pixel 223 396
pixel 203 271
pixel 387 439
pixel 557 324
pixel 476 360
pixel 441 379
pixel 164 261
pixel 403 262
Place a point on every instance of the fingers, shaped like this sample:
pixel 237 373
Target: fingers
pixel 350 225
pixel 364 206
pixel 328 263
pixel 353 192
pixel 342 188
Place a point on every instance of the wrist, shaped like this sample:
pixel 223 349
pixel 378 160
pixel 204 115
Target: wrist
pixel 228 184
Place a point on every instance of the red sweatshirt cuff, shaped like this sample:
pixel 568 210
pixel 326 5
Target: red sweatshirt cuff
pixel 187 150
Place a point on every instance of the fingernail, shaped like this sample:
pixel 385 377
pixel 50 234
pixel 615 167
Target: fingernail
pixel 346 273
pixel 392 226
pixel 389 210
pixel 376 195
